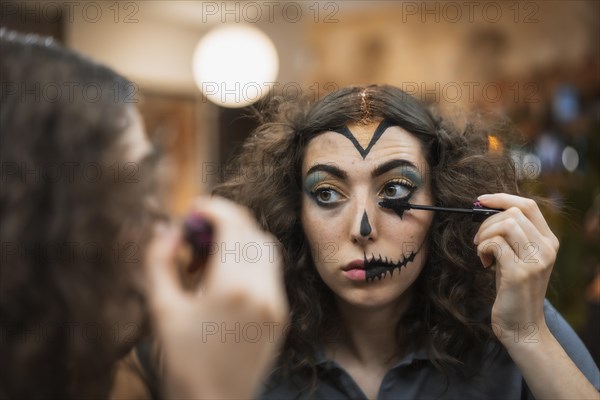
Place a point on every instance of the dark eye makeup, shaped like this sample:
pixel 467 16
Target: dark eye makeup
pixel 396 189
pixel 328 196
pixel 400 179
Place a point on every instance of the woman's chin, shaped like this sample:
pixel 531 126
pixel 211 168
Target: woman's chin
pixel 370 298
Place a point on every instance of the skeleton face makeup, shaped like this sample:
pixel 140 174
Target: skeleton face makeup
pixel 366 254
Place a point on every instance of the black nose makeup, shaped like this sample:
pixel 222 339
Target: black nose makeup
pixel 365 227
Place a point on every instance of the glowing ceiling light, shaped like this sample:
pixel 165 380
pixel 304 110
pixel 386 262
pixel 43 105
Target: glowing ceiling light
pixel 234 66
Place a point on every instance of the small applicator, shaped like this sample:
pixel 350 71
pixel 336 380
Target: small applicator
pixel 198 233
pixel 478 212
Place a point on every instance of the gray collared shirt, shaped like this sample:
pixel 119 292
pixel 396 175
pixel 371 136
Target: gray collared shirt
pixel 415 377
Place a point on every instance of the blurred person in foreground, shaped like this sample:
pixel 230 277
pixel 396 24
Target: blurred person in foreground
pixel 88 264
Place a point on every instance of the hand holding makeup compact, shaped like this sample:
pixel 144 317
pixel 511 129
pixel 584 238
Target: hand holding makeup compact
pixel 236 290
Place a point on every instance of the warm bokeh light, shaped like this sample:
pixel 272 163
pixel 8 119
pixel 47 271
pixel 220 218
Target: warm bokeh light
pixel 234 66
pixel 494 144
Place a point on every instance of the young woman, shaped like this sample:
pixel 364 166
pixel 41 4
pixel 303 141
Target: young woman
pixel 77 185
pixel 405 303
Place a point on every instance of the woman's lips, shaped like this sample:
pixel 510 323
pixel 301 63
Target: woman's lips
pixel 355 270
pixel 356 264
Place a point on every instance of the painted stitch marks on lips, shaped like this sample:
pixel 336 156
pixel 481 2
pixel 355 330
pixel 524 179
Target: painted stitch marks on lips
pixel 378 267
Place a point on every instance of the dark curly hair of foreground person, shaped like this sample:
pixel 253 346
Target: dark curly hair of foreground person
pixel 72 229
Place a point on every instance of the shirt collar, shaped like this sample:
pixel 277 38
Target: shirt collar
pixel 418 354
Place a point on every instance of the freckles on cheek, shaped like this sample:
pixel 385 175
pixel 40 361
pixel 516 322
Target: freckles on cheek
pixel 310 227
pixel 317 227
pixel 323 245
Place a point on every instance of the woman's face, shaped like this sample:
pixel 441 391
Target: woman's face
pixel 367 254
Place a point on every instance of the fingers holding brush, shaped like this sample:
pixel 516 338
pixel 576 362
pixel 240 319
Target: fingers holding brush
pixel 521 246
pixel 523 227
pixel 527 206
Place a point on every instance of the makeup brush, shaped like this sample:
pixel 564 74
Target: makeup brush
pixel 478 212
pixel 198 233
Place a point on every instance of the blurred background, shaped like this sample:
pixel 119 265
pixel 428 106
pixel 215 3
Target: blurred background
pixel 198 67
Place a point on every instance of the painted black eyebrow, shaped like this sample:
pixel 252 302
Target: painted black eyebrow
pixel 381 128
pixel 331 169
pixel 387 166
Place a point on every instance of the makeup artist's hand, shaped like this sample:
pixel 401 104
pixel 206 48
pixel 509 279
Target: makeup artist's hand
pixel 522 249
pixel 220 342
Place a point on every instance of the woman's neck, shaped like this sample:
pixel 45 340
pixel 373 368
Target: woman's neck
pixel 368 334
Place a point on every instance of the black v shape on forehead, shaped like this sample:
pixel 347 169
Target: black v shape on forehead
pixel 383 125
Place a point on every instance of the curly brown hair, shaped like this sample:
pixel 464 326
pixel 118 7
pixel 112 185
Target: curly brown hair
pixel 73 230
pixel 453 296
